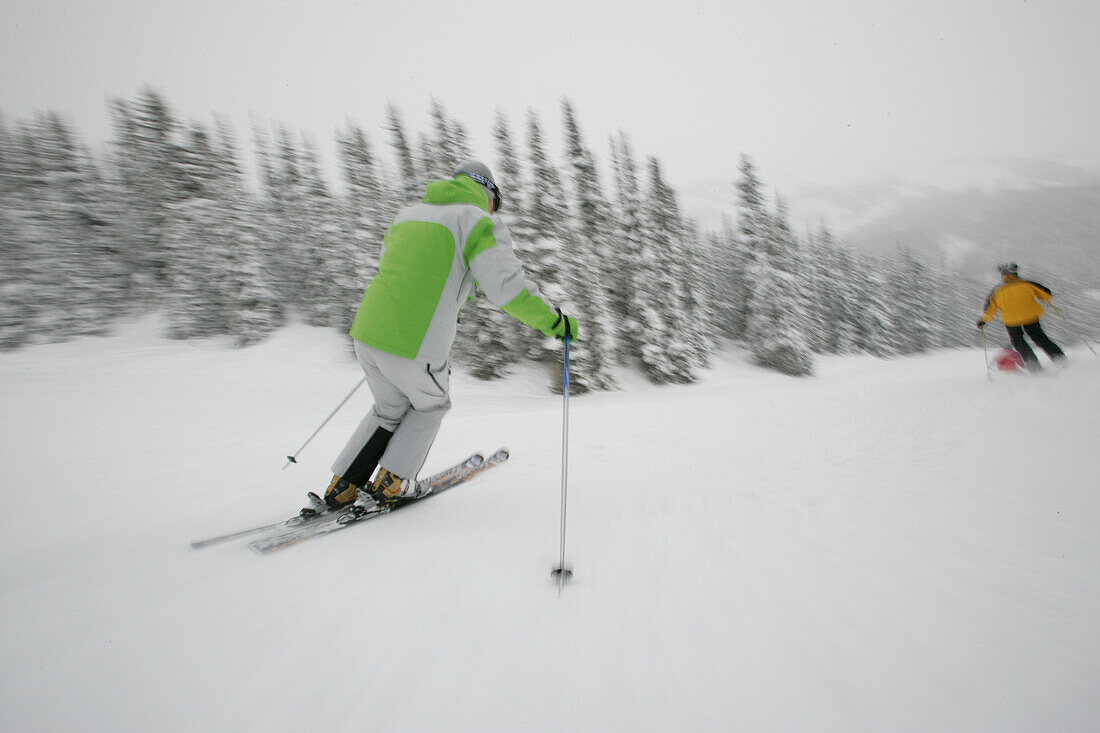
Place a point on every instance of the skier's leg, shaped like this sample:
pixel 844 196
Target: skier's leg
pixel 1016 333
pixel 427 387
pixel 1039 336
pixel 367 444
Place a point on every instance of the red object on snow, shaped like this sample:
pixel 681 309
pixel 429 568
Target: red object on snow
pixel 1008 360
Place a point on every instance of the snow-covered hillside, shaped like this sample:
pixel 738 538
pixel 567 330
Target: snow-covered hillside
pixel 893 545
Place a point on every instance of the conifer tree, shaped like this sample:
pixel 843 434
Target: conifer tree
pixel 876 333
pixel 58 279
pixel 147 158
pixel 912 309
pixel 588 255
pixel 635 259
pixel 698 276
pixel 510 173
pixel 448 144
pixel 548 232
pixel 834 314
pixel 732 261
pixel 666 331
pixel 367 207
pixel 216 239
pixel 318 275
pixel 256 307
pixel 772 329
pixel 409 188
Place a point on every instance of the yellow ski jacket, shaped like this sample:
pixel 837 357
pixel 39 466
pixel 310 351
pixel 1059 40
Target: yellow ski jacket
pixel 1016 300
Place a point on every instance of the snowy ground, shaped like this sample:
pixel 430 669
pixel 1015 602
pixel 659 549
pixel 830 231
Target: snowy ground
pixel 894 545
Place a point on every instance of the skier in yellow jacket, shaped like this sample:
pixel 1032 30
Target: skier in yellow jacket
pixel 1018 302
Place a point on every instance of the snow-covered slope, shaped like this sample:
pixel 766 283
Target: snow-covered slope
pixel 893 545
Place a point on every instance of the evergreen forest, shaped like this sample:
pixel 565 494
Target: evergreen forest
pixel 165 219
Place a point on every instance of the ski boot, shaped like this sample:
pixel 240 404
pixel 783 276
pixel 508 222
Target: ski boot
pixel 389 488
pixel 338 495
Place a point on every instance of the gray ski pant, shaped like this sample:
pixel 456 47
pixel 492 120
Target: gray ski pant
pixel 410 399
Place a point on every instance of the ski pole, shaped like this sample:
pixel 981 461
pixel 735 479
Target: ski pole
pixel 985 350
pixel 1081 337
pixel 294 458
pixel 561 572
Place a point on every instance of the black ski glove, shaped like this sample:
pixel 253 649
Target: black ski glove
pixel 981 323
pixel 564 328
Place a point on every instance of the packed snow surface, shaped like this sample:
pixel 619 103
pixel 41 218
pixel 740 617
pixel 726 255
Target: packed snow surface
pixel 891 545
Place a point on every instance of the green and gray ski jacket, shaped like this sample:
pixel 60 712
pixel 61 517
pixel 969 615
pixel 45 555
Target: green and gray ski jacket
pixel 434 255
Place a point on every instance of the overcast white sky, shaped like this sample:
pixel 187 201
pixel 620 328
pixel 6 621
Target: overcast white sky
pixel 816 91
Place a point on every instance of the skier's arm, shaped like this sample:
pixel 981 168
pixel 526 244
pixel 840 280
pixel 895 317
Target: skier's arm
pixel 990 308
pixel 1041 291
pixel 500 275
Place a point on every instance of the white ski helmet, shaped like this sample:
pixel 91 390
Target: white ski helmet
pixel 481 173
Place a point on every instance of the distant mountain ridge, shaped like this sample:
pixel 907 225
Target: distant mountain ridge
pixel 1043 214
pixel 1049 227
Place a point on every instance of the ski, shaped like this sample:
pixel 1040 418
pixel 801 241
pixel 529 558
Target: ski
pixel 298 522
pixel 440 482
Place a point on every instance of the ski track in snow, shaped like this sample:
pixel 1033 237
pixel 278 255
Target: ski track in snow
pixel 895 545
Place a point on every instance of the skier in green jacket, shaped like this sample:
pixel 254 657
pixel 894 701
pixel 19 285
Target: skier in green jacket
pixel 434 255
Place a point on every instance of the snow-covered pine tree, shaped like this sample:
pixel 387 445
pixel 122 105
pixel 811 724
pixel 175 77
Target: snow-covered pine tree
pixel 98 288
pixel 427 158
pixel 911 303
pixel 28 247
pixel 510 174
pixel 833 296
pixel 698 274
pixel 253 298
pixel 334 279
pixel 953 308
pixel 588 259
pixel 60 279
pixel 448 144
pixel 772 329
pixel 548 233
pixel 732 261
pixel 548 211
pixel 194 245
pixel 366 205
pixel 410 186
pixel 147 161
pixel 13 316
pixel 298 211
pixel 22 243
pixel 876 331
pixel 667 352
pixel 634 258
pixel 791 257
pixel 217 241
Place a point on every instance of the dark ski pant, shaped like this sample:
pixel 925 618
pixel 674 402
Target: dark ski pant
pixel 1035 331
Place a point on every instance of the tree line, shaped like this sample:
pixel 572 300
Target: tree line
pixel 167 220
